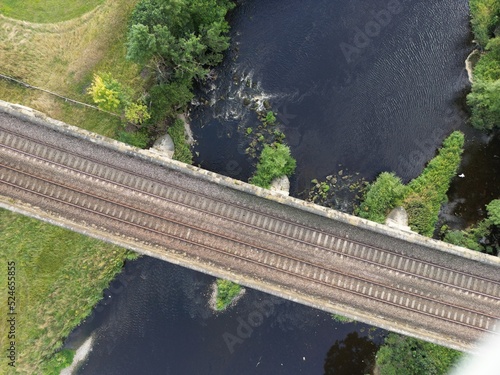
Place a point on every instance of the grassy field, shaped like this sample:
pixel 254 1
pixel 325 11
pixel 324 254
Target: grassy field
pixel 44 11
pixel 60 276
pixel 63 56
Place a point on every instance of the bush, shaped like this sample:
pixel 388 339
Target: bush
pixel 226 292
pixel 494 211
pixel 402 355
pixel 182 150
pixel 383 195
pixel 58 361
pixel 408 356
pixel 484 18
pixel 165 100
pixel 136 139
pixel 482 236
pixel 462 238
pixel 275 161
pixel 427 192
pixel 484 101
pixel 107 92
pixel 137 113
pixel 485 96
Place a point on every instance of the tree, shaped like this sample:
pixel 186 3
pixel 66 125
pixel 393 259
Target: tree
pixel 107 92
pixel 402 355
pixel 485 103
pixel 484 18
pixel 136 113
pixel 182 37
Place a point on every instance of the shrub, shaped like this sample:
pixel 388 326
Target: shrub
pixel 275 161
pixel 58 361
pixel 493 209
pixel 182 150
pixel 137 113
pixel 226 292
pixel 384 194
pixel 484 101
pixel 484 18
pixel 136 139
pixel 427 192
pixel 408 356
pixel 107 92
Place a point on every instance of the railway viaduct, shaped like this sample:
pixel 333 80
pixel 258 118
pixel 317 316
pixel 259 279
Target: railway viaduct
pixel 335 262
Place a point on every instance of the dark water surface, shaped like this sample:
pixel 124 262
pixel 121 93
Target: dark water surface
pixel 376 102
pixel 155 320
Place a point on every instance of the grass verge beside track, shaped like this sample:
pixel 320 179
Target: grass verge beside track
pixel 59 277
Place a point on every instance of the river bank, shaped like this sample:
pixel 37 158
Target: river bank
pixel 389 109
pixel 328 118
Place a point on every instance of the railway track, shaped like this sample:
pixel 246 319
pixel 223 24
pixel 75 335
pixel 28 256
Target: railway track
pixel 298 234
pixel 162 212
pixel 297 268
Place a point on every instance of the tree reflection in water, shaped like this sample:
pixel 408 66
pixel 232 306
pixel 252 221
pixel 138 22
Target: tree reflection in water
pixel 352 356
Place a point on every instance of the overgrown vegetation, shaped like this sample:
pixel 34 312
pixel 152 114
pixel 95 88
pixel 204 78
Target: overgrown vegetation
pixel 342 319
pixel 484 236
pixel 53 287
pixel 485 15
pixel 275 161
pixel 176 42
pixel 227 291
pixel 422 197
pixel 381 196
pixel 484 99
pixel 402 355
pixel 182 151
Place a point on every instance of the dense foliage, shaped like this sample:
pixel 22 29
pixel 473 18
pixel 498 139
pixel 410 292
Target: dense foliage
pixel 484 99
pixel 383 195
pixel 111 96
pixel 427 192
pixel 485 15
pixel 275 161
pixel 408 356
pixel 484 236
pixel 181 39
pixel 422 197
pixel 182 152
pixel 177 42
pixel 226 292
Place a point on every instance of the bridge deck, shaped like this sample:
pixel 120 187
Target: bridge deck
pixel 374 274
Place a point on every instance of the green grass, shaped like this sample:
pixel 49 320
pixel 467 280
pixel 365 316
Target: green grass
pixel 182 150
pixel 44 11
pixel 342 319
pixel 73 114
pixel 226 292
pixel 60 276
pixel 71 55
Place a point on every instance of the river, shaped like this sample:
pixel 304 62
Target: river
pixel 363 85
